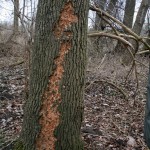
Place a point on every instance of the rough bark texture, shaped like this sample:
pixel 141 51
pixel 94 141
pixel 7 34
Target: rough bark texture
pixel 16 11
pixel 53 112
pixel 140 18
pixel 129 13
pixel 98 21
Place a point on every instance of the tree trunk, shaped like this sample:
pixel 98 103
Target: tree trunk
pixel 148 40
pixel 98 21
pixel 129 13
pixel 128 20
pixel 140 18
pixel 137 27
pixel 53 112
pixel 16 13
pixel 147 115
pixel 111 6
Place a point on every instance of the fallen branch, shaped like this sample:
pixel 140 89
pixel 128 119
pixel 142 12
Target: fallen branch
pixel 114 37
pixel 14 64
pixel 111 36
pixel 143 52
pixel 105 81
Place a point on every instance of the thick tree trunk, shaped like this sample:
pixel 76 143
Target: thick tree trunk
pixel 16 19
pixel 53 112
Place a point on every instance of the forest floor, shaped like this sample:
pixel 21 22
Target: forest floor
pixel 114 109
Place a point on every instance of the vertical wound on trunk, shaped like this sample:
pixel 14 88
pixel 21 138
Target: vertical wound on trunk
pixel 50 116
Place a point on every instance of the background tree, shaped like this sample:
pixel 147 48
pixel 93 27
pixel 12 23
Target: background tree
pixel 129 13
pixel 16 13
pixel 111 6
pixel 98 22
pixel 53 112
pixel 140 18
pixel 127 20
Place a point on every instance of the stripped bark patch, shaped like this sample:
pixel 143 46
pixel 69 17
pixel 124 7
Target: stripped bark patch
pixel 67 17
pixel 50 116
pixel 52 97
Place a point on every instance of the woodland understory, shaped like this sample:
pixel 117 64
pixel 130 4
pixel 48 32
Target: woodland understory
pixel 114 103
pixel 116 73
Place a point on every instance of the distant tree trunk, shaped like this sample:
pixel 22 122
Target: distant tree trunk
pixel 127 20
pixel 140 18
pixel 53 112
pixel 137 27
pixel 98 21
pixel 148 20
pixel 129 13
pixel 111 6
pixel 16 19
pixel 148 40
pixel 99 25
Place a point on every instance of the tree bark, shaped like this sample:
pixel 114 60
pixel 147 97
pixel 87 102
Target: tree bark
pixel 16 13
pixel 147 115
pixel 129 13
pixel 148 40
pixel 128 20
pixel 137 28
pixel 111 6
pixel 98 21
pixel 53 112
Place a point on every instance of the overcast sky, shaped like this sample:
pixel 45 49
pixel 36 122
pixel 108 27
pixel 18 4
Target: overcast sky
pixel 6 9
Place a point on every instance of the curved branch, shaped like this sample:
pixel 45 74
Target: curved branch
pixel 103 13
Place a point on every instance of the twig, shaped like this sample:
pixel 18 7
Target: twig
pixel 105 81
pixel 143 52
pixel 130 71
pixel 14 64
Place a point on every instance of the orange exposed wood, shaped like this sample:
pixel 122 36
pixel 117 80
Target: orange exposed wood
pixel 50 116
pixel 67 17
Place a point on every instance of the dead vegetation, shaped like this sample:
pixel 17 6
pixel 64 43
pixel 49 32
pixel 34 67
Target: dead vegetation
pixel 111 120
pixel 114 107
